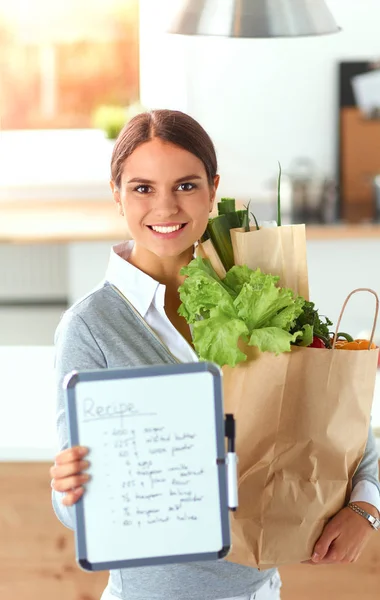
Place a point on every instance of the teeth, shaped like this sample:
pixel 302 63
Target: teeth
pixel 166 229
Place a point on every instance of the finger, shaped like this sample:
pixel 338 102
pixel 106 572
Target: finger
pixel 343 553
pixel 71 455
pixel 73 496
pixel 323 544
pixel 73 468
pixel 353 557
pixel 314 564
pixel 323 562
pixel 335 555
pixel 67 483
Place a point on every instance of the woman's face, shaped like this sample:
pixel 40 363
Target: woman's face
pixel 165 197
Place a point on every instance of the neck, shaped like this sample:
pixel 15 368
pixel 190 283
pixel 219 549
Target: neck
pixel 164 270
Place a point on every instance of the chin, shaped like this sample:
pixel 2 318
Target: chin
pixel 170 248
pixel 171 252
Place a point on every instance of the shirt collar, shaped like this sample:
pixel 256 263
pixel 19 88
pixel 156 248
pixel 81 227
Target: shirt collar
pixel 137 286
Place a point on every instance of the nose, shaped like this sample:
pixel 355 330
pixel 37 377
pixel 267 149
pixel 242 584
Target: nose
pixel 165 205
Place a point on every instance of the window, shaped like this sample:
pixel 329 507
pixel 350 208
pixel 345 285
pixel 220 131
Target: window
pixel 63 59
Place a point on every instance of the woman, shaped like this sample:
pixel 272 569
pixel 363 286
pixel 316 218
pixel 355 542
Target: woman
pixel 164 182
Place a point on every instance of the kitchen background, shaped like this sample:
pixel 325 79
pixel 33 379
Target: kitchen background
pixel 262 101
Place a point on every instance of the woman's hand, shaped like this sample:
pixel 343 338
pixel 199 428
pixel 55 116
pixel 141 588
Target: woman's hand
pixel 67 474
pixel 344 537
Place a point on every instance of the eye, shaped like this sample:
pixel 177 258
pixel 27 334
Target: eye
pixel 186 187
pixel 143 189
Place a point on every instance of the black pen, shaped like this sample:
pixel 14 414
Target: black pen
pixel 231 462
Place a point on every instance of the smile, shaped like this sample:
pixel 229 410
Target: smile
pixel 168 228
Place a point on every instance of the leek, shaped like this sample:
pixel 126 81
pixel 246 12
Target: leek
pixel 219 232
pixel 226 205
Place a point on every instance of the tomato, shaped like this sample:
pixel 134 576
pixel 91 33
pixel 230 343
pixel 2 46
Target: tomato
pixel 317 343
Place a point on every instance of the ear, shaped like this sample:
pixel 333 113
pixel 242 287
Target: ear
pixel 213 191
pixel 116 196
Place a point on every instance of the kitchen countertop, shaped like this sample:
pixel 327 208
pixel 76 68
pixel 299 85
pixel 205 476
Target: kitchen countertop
pixel 61 197
pixel 98 220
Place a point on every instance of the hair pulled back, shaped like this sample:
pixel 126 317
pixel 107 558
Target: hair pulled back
pixel 171 126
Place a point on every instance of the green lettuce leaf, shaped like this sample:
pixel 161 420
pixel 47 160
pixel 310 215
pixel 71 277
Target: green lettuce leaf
pixel 200 265
pixel 201 291
pixel 216 338
pixel 273 339
pixel 286 318
pixel 241 274
pixel 307 336
pixel 257 306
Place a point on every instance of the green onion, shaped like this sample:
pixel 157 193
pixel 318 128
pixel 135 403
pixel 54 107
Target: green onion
pixel 246 221
pixel 256 223
pixel 279 196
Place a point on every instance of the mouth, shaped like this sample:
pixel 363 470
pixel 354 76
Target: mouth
pixel 167 230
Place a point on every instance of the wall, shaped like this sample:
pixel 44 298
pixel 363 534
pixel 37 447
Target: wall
pixel 261 100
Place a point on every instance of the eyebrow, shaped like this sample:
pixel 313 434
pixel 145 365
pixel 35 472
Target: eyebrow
pixel 142 180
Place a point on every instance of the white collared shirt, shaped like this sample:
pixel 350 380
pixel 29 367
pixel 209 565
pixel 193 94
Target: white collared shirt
pixel 148 297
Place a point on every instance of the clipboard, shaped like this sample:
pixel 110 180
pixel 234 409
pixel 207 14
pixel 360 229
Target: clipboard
pixel 159 489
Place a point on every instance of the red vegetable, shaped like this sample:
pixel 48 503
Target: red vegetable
pixel 317 343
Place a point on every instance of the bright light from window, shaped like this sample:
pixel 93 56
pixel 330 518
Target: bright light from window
pixel 66 58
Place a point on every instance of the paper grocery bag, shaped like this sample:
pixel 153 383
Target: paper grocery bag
pixel 302 421
pixel 277 251
pixel 207 250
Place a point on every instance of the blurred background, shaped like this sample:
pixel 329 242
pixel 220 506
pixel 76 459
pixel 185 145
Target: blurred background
pixel 71 74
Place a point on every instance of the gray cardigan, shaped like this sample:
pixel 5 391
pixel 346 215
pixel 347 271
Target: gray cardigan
pixel 102 331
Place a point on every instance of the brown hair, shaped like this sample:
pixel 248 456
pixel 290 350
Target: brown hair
pixel 170 126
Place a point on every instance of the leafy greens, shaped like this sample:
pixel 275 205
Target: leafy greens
pixel 246 306
pixel 312 325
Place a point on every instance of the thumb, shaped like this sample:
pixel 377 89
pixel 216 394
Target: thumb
pixel 323 544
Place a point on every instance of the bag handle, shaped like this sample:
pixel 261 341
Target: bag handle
pixel 344 307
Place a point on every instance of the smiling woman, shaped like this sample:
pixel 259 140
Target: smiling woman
pixel 164 182
pixel 164 179
pixel 164 217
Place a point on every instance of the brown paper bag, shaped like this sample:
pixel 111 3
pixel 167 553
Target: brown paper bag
pixel 206 250
pixel 302 422
pixel 277 251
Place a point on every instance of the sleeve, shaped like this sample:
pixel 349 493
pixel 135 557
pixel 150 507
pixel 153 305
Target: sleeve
pixel 365 491
pixel 75 349
pixel 365 482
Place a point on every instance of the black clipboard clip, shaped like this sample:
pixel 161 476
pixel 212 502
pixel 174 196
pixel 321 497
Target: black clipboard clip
pixel 231 462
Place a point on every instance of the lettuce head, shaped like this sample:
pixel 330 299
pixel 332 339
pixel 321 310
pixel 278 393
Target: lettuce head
pixel 246 306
